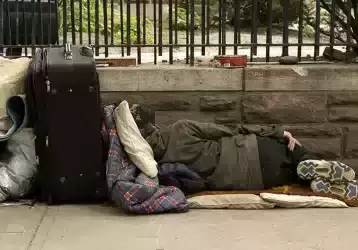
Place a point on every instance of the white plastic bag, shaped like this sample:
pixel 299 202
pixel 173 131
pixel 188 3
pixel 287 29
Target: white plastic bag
pixel 18 165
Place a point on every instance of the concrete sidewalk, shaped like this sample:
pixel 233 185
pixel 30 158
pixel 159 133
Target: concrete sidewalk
pixel 104 227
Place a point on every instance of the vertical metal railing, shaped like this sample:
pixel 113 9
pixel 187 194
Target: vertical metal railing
pixel 80 29
pixel 269 29
pixel 187 31
pixel 25 30
pixel 332 24
pixel 349 24
pixel 73 28
pixel 138 30
pixel 122 25
pixel 300 29
pixel 254 16
pixel 88 22
pixel 285 15
pixel 1 27
pixel 155 30
pixel 192 29
pixel 237 35
pixel 160 26
pixel 187 28
pixel 170 26
pixel 105 27
pixel 317 29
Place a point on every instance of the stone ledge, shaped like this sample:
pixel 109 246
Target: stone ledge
pixel 301 77
pixel 176 78
pixel 305 77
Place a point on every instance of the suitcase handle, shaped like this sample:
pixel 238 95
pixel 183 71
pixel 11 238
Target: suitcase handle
pixel 68 51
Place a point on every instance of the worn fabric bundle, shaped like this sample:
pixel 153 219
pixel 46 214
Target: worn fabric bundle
pixel 131 189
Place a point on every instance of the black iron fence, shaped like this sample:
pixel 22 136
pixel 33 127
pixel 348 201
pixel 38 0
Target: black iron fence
pixel 172 30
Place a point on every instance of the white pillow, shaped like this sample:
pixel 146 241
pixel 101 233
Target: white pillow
pixel 229 201
pixel 137 148
pixel 298 201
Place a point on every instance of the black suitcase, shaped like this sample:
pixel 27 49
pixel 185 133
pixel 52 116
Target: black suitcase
pixel 67 122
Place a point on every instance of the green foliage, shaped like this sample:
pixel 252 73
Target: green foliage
pixel 309 21
pixel 92 18
pixel 181 24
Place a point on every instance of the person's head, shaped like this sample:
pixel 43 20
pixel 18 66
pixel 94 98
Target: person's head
pixel 142 115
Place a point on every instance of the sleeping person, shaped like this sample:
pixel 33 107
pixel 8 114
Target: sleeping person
pixel 249 157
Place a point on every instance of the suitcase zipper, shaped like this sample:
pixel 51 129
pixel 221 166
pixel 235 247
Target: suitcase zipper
pixel 48 85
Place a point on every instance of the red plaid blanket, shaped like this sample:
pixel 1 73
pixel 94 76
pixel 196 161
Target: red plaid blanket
pixel 132 190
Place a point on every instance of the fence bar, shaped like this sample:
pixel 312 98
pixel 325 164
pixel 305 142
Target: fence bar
pixel 253 49
pixel 192 31
pixel 139 51
pixel 25 25
pixel 1 26
pixel 89 21
pixel 9 39
pixel 17 23
pixel 187 31
pixel 128 27
pixel 176 22
pixel 144 21
pixel 122 25
pixel 80 6
pixel 285 15
pixel 269 29
pixel 112 22
pixel 33 27
pixel 73 27
pixel 317 29
pixel 349 23
pixel 57 22
pixel 219 26
pixel 96 38
pixel 300 30
pixel 170 31
pixel 203 20
pixel 223 23
pixel 105 24
pixel 49 22
pixel 160 32
pixel 208 22
pixel 236 23
pixel 39 5
pixel 155 30
pixel 333 23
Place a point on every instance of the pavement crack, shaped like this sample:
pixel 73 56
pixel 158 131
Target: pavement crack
pixel 37 228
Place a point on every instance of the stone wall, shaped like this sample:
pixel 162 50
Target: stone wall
pixel 325 122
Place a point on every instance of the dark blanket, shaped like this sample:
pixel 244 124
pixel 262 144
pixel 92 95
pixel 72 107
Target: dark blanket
pixel 134 191
pixel 180 176
pixel 227 159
